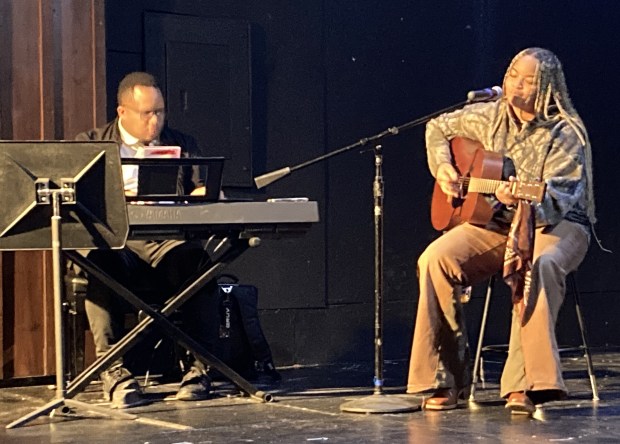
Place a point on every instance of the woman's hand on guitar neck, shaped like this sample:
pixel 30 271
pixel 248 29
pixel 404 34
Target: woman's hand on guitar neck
pixel 448 180
pixel 504 192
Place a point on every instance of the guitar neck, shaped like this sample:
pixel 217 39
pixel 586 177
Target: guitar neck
pixel 532 191
pixel 479 185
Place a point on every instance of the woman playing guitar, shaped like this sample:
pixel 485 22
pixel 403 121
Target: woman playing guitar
pixel 536 126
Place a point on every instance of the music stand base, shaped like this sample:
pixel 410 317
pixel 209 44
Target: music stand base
pixel 379 403
pixel 66 406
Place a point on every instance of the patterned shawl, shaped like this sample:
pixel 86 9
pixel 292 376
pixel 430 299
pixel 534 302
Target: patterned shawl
pixel 518 257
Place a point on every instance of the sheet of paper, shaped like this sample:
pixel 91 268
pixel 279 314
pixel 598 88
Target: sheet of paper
pixel 162 152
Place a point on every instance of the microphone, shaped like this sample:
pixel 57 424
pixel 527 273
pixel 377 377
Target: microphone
pixel 480 95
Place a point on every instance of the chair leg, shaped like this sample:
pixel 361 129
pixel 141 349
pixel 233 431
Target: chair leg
pixel 584 336
pixel 76 325
pixel 477 359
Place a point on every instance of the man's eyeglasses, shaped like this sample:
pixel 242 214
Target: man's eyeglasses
pixel 146 115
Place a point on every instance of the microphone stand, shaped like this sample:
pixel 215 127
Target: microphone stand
pixel 378 402
pixel 267 178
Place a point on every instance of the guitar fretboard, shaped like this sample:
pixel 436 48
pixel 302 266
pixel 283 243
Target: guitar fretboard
pixel 479 185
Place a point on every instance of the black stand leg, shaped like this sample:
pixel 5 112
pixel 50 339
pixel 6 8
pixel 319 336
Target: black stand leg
pixel 63 403
pixel 160 319
pixel 60 403
pixel 378 402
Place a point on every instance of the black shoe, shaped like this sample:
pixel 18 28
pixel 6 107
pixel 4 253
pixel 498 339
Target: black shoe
pixel 267 370
pixel 121 388
pixel 195 386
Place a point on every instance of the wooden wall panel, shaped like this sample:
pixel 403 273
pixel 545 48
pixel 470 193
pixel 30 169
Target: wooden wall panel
pixel 82 67
pixel 52 72
pixel 28 313
pixel 33 340
pixel 3 337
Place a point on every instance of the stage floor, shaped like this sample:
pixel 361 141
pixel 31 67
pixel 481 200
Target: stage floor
pixel 307 409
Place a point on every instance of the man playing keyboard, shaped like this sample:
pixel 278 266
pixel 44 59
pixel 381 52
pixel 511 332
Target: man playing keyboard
pixel 140 123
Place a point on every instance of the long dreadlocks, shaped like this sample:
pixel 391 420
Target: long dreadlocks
pixel 552 99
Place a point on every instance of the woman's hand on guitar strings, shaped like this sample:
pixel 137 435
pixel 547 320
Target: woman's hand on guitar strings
pixel 448 180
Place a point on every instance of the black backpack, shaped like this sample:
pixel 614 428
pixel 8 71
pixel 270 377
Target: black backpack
pixel 240 340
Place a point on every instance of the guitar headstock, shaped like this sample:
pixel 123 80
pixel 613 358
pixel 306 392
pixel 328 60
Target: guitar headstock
pixel 532 191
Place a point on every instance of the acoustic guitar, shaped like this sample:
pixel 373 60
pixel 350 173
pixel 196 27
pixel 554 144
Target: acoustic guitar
pixel 480 173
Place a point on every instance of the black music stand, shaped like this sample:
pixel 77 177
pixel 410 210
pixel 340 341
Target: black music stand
pixel 54 191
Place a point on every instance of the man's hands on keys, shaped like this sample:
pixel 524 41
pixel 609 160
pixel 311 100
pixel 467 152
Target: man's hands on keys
pixel 202 191
pixel 199 191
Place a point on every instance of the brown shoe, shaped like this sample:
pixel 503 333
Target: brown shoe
pixel 443 399
pixel 520 404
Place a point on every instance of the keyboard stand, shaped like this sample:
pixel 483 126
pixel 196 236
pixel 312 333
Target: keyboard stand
pixel 233 248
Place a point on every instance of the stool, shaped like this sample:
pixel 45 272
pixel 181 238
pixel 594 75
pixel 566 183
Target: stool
pixel 572 287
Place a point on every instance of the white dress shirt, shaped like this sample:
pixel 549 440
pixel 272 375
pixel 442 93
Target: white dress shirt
pixel 131 148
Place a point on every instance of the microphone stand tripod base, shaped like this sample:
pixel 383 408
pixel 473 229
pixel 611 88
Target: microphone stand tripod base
pixel 379 403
